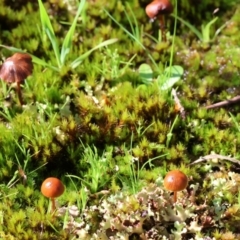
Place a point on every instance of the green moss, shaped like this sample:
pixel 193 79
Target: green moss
pixel 101 124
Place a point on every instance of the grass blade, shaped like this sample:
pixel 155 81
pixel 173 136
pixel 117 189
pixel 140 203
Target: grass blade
pixel 206 30
pixel 133 24
pixel 48 29
pixel 67 43
pixel 124 29
pixel 132 35
pixel 190 26
pixel 78 60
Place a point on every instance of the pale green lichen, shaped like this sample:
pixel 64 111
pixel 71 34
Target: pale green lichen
pixel 146 214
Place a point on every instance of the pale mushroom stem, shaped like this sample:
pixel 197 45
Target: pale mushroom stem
pixel 162 27
pixel 19 93
pixel 175 196
pixel 53 204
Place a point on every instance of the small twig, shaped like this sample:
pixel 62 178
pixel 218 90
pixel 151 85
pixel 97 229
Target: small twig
pixel 213 156
pixel 178 105
pixel 224 103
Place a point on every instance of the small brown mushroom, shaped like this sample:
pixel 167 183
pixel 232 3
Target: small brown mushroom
pixel 157 9
pixel 52 188
pixel 175 181
pixel 16 69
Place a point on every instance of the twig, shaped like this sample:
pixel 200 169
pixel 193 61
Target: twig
pixel 224 103
pixel 212 156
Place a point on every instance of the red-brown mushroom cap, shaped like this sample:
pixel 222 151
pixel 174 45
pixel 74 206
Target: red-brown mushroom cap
pixel 159 7
pixel 175 180
pixel 52 187
pixel 16 68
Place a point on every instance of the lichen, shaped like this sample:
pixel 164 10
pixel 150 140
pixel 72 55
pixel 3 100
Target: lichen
pixel 151 214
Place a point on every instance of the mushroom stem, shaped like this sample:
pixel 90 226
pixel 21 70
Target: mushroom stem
pixel 19 92
pixel 175 196
pixel 53 204
pixel 162 27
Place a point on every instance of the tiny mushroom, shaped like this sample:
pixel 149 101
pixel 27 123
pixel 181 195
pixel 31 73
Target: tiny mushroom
pixel 175 181
pixel 16 69
pixel 52 188
pixel 157 9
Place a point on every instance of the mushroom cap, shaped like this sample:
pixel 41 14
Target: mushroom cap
pixel 159 7
pixel 16 68
pixel 175 180
pixel 52 187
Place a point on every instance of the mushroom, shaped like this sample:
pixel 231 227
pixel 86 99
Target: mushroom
pixel 157 9
pixel 175 181
pixel 16 69
pixel 52 188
